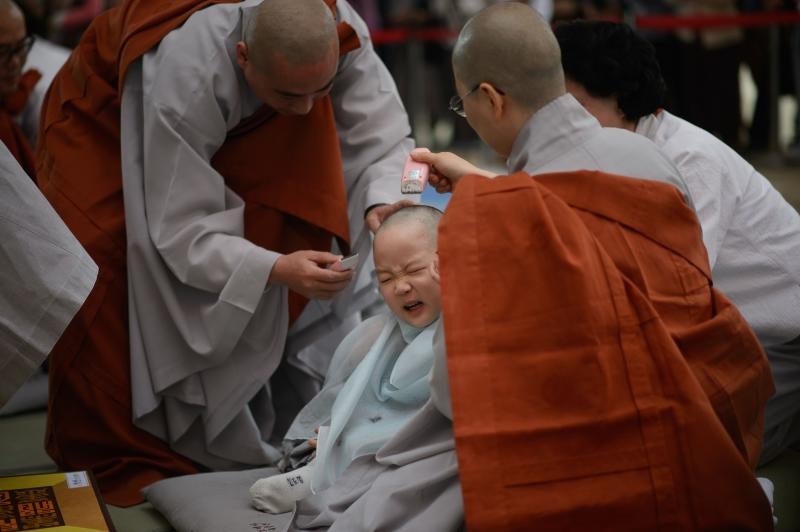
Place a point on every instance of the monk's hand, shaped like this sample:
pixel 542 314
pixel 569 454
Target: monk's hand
pixel 377 215
pixel 447 168
pixel 307 273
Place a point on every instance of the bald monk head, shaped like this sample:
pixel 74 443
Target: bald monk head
pixel 14 47
pixel 507 66
pixel 290 53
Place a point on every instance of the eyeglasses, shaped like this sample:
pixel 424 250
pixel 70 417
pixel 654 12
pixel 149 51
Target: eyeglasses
pixel 457 102
pixel 18 49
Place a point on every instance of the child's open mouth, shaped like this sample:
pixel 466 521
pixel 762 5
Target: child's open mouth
pixel 414 306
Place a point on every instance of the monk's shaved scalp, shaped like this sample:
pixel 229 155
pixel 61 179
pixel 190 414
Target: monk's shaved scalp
pixel 297 32
pixel 427 217
pixel 10 11
pixel 512 47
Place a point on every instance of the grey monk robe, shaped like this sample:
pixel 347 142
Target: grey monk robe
pixel 45 276
pixel 207 332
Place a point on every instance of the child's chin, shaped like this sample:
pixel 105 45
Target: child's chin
pixel 420 321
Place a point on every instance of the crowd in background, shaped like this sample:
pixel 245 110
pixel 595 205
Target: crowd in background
pixel 701 67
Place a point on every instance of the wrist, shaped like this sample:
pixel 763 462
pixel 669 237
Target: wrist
pixel 276 273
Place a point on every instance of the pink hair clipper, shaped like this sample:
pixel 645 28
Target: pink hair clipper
pixel 415 176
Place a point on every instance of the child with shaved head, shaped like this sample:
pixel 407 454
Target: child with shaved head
pixel 380 374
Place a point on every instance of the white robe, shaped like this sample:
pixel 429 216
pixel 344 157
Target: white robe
pixel 207 332
pixel 752 236
pixel 45 276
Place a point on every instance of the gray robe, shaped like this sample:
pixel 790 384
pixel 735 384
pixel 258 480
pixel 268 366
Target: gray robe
pixel 562 136
pixel 45 276
pixel 411 482
pixel 207 331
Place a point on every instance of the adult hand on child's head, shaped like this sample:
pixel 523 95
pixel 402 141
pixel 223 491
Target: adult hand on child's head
pixel 378 214
pixel 446 169
pixel 306 272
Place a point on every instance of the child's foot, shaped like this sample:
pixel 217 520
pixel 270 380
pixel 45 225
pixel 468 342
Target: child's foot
pixel 278 493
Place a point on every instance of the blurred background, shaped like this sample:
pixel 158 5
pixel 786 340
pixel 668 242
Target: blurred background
pixel 732 66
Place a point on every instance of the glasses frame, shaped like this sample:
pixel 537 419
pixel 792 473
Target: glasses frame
pixel 457 102
pixel 19 49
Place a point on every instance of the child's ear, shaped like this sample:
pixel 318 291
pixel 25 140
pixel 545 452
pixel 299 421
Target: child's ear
pixel 435 268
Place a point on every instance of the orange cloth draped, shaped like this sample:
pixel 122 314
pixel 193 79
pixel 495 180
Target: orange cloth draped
pixel 670 267
pixel 573 408
pixel 89 421
pixel 10 133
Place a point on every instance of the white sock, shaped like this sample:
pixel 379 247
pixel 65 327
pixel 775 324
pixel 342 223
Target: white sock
pixel 278 493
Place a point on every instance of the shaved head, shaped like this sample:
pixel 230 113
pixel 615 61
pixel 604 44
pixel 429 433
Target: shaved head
pixel 9 9
pixel 425 216
pixel 512 47
pixel 12 33
pixel 291 32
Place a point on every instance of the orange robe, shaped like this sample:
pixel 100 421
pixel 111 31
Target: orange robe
pixel 10 133
pixel 573 407
pixel 90 418
pixel 670 267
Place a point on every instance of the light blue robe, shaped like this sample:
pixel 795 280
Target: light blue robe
pixel 389 386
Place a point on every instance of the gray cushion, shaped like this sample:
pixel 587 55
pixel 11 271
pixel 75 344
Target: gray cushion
pixel 211 502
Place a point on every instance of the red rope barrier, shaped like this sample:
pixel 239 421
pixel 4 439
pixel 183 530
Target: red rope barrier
pixel 746 20
pixel 651 22
pixel 402 35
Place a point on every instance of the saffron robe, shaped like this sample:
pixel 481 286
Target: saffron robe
pixel 654 240
pixel 45 276
pixel 573 408
pixel 203 300
pixel 753 240
pixel 564 137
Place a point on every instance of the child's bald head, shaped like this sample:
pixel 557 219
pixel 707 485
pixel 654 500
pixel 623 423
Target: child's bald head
pixel 407 264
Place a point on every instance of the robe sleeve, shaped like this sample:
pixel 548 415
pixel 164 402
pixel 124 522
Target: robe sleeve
pixel 372 123
pixel 714 206
pixel 45 276
pixel 195 221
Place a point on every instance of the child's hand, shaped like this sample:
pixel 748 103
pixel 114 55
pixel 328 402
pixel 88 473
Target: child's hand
pixel 313 441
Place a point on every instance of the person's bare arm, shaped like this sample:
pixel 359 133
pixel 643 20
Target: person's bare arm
pixel 447 168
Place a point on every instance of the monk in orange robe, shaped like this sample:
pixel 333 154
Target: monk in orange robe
pixel 539 128
pixel 573 407
pixel 16 86
pixel 511 90
pixel 236 182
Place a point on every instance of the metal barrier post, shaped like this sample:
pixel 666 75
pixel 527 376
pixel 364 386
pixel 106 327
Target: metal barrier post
pixel 417 90
pixel 774 88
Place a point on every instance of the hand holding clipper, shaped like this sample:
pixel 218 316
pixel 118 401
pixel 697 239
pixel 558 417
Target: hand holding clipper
pixel 415 175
